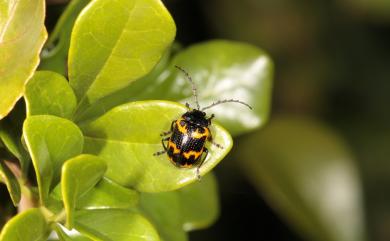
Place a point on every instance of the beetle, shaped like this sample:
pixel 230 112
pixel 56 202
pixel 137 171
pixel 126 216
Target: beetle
pixel 185 142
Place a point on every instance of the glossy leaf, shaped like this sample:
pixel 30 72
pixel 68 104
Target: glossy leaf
pixel 164 211
pixel 49 93
pixel 66 235
pixel 79 175
pixel 108 194
pixel 199 203
pixel 307 174
pixel 56 49
pixel 192 207
pixel 128 136
pixel 128 94
pixel 26 226
pixel 11 182
pixel 115 224
pixel 105 57
pixel 22 34
pixel 220 70
pixel 54 205
pixel 51 141
pixel 225 70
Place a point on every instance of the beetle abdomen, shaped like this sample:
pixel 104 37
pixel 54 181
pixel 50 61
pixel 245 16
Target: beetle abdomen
pixel 186 144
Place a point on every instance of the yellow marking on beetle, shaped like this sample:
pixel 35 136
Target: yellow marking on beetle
pixel 196 154
pixel 197 135
pixel 182 129
pixel 175 149
pixel 187 165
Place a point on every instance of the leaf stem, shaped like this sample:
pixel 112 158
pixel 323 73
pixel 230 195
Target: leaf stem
pixel 60 217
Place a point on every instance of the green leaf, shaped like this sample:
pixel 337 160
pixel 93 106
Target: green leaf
pixel 79 175
pixel 220 70
pixel 66 235
pixel 200 203
pixel 26 226
pixel 55 53
pixel 225 70
pixel 51 141
pixel 192 207
pixel 115 224
pixel 108 194
pixel 11 182
pixel 128 94
pixel 22 34
pixel 128 136
pixel 168 221
pixel 105 57
pixel 306 172
pixel 49 93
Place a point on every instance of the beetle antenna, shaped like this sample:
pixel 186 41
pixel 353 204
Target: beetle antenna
pixel 226 101
pixel 194 93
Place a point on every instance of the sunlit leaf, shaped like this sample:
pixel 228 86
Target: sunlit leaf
pixel 105 57
pixel 192 207
pixel 130 93
pixel 22 34
pixel 30 225
pixel 115 224
pixel 199 203
pixel 128 136
pixel 49 93
pixel 51 141
pixel 168 221
pixel 79 175
pixel 225 70
pixel 66 235
pixel 220 70
pixel 107 194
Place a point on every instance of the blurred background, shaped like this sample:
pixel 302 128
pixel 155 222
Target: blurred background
pixel 320 168
pixel 332 72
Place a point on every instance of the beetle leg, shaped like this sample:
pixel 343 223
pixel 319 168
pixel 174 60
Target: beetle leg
pixel 210 139
pixel 165 133
pixel 206 151
pixel 210 118
pixel 162 142
pixel 170 131
pixel 188 105
pixel 159 153
pixel 164 146
pixel 217 145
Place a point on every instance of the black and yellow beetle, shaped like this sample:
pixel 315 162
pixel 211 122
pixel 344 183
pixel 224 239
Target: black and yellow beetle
pixel 185 141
